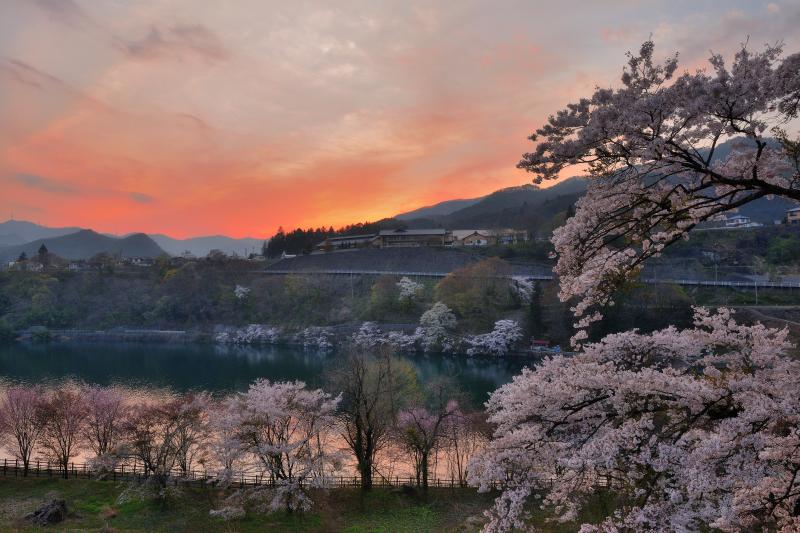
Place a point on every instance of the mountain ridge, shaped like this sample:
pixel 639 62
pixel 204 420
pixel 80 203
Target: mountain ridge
pixel 85 244
pixel 19 233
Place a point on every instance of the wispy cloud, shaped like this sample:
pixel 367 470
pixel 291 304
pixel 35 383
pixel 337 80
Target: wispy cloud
pixel 66 11
pixel 60 187
pixel 140 197
pixel 178 41
pixel 33 181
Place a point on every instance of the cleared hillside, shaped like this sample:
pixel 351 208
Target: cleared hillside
pixel 429 260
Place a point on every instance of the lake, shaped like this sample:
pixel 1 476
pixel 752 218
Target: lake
pixel 183 367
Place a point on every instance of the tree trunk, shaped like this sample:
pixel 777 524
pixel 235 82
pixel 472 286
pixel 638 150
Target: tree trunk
pixel 424 471
pixel 365 469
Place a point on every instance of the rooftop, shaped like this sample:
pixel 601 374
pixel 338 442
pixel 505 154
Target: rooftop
pixel 413 232
pixel 351 237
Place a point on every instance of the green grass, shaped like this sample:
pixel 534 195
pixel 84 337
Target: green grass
pixel 93 506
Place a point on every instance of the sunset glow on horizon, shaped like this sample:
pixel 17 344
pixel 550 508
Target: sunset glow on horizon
pixel 195 118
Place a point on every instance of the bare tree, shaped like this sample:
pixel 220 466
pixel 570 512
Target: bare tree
pixel 20 423
pixel 193 431
pixel 464 436
pixel 374 388
pixel 157 433
pixel 62 414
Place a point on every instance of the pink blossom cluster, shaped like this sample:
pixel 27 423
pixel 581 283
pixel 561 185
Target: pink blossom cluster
pixel 498 342
pixel 252 334
pixel 692 429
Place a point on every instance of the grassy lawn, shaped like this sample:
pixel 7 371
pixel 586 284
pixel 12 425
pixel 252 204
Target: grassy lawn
pixel 93 506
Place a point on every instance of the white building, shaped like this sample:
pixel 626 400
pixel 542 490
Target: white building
pixel 740 221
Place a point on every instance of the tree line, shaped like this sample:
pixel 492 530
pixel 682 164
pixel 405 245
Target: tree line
pixel 294 437
pixel 301 241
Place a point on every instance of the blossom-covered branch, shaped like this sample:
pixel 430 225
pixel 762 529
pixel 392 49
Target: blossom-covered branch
pixel 653 148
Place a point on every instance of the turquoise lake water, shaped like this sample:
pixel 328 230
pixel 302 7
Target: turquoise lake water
pixel 185 367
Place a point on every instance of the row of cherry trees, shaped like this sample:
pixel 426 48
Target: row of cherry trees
pixel 292 436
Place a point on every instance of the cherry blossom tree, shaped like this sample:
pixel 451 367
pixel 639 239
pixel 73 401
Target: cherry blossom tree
pixel 241 292
pixel 651 148
pixel 284 426
pixel 435 328
pixel 20 423
pixel 252 334
pixel 693 430
pixel 368 336
pixel 318 338
pixel 62 412
pixel 105 411
pixel 498 342
pixel 226 447
pixel 409 290
pixel 421 430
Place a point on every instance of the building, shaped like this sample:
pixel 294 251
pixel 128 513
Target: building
pixel 740 221
pixel 346 242
pixel 488 237
pixel 479 238
pixel 793 216
pixel 399 238
pixel 510 236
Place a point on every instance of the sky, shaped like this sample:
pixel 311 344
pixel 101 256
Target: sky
pixel 237 117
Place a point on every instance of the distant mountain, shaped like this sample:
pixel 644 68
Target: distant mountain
pixel 524 207
pixel 86 243
pixel 16 232
pixel 200 246
pixel 539 210
pixel 442 208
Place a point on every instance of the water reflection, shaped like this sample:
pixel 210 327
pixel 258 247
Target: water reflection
pixel 222 368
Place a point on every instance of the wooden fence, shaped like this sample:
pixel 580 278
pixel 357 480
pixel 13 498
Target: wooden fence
pixel 196 478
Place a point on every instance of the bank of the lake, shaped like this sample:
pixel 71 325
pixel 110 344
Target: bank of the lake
pixel 188 366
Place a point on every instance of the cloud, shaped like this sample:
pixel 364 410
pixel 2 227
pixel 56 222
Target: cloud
pixel 241 117
pixel 178 41
pixel 66 11
pixel 140 197
pixel 26 74
pixel 33 181
pixel 58 187
pixel 192 120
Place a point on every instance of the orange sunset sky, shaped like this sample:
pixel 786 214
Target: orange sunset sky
pixel 189 117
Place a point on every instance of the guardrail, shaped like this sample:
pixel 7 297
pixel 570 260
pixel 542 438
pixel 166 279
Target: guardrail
pixel 543 277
